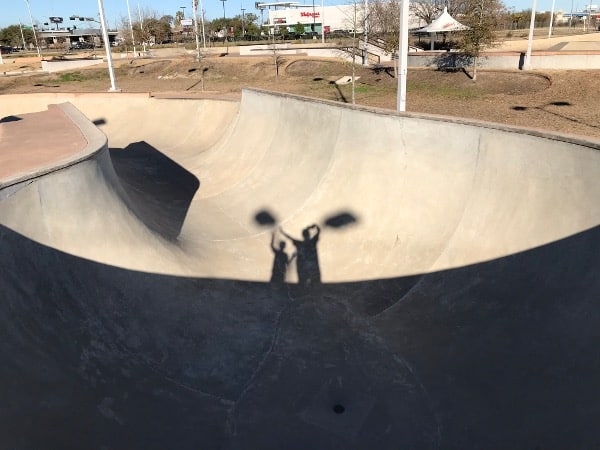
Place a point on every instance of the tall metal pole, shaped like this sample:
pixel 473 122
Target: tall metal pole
pixel 403 57
pixel 551 19
pixel 224 23
pixel 365 34
pixel 33 29
pixel 322 23
pixel 111 70
pixel 527 62
pixel 202 19
pixel 314 27
pixel 243 18
pixel 195 11
pixel 131 29
pixel 22 35
pixel 571 17
pixel 142 27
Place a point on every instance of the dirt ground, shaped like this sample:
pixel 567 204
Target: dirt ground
pixel 559 101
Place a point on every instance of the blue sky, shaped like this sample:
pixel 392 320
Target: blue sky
pixel 13 10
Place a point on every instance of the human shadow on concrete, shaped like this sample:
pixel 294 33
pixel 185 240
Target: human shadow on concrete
pixel 500 354
pixel 281 261
pixel 161 190
pixel 307 257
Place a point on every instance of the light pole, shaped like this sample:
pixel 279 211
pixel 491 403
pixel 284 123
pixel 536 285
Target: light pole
pixel 224 23
pixel 88 19
pixel 131 29
pixel 527 62
pixel 551 19
pixel 402 57
pixel 33 29
pixel 111 70
pixel 243 17
pixel 323 23
pixel 142 28
pixel 202 21
pixel 195 11
pixel 182 8
pixel 314 27
pixel 22 35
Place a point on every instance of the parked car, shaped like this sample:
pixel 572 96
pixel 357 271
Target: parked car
pixel 81 45
pixel 5 50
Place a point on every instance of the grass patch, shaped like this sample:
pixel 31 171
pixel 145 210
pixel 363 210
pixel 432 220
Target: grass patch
pixel 78 77
pixel 445 91
pixel 69 77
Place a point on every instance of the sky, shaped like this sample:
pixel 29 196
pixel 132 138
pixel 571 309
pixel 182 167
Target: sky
pixel 11 11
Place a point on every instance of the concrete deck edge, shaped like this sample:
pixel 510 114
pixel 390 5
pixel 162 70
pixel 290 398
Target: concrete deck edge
pixel 96 142
pixel 571 139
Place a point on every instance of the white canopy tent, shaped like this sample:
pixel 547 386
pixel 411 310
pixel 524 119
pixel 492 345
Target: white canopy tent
pixel 445 22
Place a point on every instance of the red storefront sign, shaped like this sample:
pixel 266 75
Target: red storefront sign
pixel 310 14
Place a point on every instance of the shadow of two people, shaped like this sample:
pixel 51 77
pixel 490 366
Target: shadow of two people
pixel 306 256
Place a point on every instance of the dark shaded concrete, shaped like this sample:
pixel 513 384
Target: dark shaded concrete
pixel 497 355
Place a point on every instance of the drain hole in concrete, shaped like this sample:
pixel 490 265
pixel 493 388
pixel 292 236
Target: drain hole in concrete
pixel 339 409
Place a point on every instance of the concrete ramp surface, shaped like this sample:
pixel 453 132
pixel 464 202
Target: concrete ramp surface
pixel 288 273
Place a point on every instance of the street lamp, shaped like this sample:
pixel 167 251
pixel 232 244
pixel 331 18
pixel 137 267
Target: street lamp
pixel 243 17
pixel 111 70
pixel 224 23
pixel 33 29
pixel 402 57
pixel 86 19
pixel 131 29
pixel 183 36
pixel 195 10
pixel 527 62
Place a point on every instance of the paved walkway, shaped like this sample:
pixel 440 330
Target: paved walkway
pixel 579 42
pixel 31 142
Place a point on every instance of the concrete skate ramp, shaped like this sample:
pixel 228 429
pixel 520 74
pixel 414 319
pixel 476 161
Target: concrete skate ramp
pixel 452 302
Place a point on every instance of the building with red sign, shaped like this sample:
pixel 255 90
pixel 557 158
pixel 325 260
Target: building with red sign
pixel 317 19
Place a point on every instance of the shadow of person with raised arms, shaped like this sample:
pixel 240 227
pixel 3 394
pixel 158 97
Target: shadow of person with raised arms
pixel 281 261
pixel 307 259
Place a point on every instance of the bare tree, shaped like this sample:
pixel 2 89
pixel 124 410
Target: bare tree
pixel 383 22
pixel 427 10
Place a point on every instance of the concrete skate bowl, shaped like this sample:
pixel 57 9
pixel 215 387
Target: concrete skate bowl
pixel 454 304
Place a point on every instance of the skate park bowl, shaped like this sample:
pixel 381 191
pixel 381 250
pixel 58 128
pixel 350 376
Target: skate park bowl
pixel 281 272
